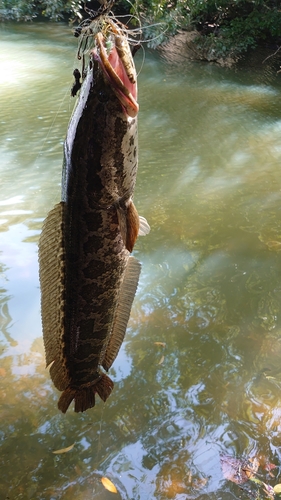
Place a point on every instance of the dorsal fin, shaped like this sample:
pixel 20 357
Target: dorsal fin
pixel 125 300
pixel 52 272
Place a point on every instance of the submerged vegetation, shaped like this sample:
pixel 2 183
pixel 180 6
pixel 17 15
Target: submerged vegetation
pixel 223 28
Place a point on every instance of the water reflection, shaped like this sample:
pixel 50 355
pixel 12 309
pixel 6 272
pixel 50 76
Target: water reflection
pixel 209 295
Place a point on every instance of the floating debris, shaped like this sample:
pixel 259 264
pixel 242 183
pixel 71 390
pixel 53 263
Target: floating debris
pixel 108 485
pixel 64 450
pixel 162 344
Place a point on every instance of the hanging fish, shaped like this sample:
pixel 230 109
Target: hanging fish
pixel 88 278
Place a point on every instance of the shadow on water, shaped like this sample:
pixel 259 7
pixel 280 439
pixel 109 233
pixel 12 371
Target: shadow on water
pixel 199 373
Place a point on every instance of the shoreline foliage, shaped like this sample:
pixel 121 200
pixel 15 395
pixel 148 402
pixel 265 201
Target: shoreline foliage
pixel 225 28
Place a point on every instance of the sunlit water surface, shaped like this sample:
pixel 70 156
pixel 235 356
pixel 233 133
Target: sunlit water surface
pixel 210 291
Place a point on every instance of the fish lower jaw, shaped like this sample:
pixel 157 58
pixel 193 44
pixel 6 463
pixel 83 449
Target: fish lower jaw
pixel 115 73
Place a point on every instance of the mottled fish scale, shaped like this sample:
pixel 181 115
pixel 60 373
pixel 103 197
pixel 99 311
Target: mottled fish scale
pixel 89 282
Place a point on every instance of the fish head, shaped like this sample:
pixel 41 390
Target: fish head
pixel 113 54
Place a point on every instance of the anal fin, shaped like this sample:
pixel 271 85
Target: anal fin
pixel 52 272
pixel 122 314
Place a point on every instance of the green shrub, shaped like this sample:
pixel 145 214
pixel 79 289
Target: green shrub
pixel 25 10
pixel 226 27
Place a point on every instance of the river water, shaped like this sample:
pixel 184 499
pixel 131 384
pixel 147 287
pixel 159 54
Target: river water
pixel 199 375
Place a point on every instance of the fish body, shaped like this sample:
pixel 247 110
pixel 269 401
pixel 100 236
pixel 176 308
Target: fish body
pixel 88 278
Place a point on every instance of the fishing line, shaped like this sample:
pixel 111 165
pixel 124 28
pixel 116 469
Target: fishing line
pixel 142 61
pixel 141 28
pixel 89 27
pixel 152 39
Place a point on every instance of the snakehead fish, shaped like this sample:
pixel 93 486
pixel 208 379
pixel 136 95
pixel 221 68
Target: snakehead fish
pixel 88 278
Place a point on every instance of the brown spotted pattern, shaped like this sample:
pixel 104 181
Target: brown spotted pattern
pixel 99 176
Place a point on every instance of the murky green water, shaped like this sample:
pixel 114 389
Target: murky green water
pixel 209 183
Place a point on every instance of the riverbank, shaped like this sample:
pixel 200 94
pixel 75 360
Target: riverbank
pixel 188 46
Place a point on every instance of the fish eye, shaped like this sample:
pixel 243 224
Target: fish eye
pixel 103 96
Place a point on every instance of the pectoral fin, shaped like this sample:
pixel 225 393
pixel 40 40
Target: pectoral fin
pixel 131 224
pixel 144 227
pixel 51 271
pixel 122 314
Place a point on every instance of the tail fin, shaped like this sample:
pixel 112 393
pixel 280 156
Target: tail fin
pixel 84 398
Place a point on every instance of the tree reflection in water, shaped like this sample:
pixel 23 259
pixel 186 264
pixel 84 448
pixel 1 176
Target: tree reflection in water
pixel 209 185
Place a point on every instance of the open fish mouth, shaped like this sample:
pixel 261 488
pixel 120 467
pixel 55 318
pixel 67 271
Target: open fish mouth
pixel 114 56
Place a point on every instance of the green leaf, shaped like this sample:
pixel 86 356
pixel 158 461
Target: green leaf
pixel 255 480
